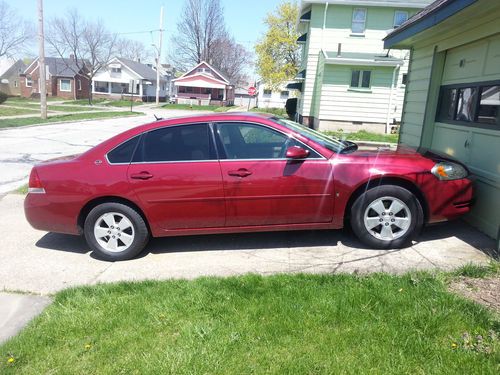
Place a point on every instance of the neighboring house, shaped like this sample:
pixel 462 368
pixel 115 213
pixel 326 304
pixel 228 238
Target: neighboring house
pixel 114 81
pixel 242 98
pixel 347 78
pixel 452 102
pixel 10 71
pixel 203 85
pixel 60 79
pixel 168 72
pixel 268 98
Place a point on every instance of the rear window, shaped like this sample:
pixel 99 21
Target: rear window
pixel 124 152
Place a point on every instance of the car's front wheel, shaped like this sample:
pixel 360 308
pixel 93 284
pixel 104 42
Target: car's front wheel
pixel 386 216
pixel 115 231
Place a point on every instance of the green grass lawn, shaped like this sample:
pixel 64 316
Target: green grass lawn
pixel 283 324
pixel 363 135
pixel 11 111
pixel 121 103
pixel 274 111
pixel 14 122
pixel 74 108
pixel 85 101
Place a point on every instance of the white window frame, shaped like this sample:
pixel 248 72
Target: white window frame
pixel 60 84
pixel 360 79
pixel 116 70
pixel 29 80
pixel 266 93
pixel 395 16
pixel 79 85
pixel 364 21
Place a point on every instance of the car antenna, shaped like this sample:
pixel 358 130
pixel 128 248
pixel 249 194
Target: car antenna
pixel 157 118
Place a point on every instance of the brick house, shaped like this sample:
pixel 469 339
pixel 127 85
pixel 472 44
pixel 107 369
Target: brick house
pixel 61 79
pixel 9 76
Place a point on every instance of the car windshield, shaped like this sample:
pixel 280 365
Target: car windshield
pixel 332 144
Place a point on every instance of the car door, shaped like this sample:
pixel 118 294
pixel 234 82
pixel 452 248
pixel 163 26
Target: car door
pixel 176 175
pixel 262 187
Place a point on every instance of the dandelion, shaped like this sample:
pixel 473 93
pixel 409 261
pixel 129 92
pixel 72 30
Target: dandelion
pixel 454 345
pixel 11 360
pixel 400 290
pixel 88 346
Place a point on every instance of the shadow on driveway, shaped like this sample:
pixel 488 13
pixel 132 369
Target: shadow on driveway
pixel 274 240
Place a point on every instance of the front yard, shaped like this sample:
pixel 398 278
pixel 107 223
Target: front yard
pixel 292 324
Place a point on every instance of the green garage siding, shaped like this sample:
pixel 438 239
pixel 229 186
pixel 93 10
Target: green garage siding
pixel 463 50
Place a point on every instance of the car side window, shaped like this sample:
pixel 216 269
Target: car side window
pixel 177 143
pixel 251 141
pixel 124 152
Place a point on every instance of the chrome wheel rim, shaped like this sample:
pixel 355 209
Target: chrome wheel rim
pixel 114 232
pixel 387 218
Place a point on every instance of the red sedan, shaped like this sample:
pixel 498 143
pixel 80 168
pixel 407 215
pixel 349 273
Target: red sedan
pixel 226 173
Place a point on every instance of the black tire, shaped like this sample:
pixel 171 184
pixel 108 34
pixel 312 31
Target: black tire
pixel 140 231
pixel 359 208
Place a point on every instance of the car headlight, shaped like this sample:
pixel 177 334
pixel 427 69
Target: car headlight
pixel 449 171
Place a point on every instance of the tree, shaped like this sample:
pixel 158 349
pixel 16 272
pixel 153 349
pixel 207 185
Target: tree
pixel 90 45
pixel 278 52
pixel 133 50
pixel 202 36
pixel 15 33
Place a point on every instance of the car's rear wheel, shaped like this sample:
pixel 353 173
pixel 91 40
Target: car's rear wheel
pixel 115 231
pixel 386 216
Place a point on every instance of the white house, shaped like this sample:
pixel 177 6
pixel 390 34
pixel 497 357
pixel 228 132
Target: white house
pixel 269 98
pixel 114 81
pixel 348 80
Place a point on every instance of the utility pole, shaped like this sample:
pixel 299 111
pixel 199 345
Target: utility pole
pixel 41 62
pixel 158 59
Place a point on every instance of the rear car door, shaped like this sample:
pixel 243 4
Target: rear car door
pixel 176 175
pixel 262 187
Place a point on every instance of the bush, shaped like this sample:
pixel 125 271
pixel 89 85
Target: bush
pixel 3 97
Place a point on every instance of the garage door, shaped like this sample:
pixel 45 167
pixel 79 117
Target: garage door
pixel 468 122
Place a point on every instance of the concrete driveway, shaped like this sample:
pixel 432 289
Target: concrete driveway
pixel 39 262
pixel 21 148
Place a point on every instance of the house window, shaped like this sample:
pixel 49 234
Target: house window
pixel 65 84
pixel 29 81
pixel 15 84
pixel 189 89
pixel 474 104
pixel 358 21
pixel 79 85
pixel 361 78
pixel 400 17
pixel 404 79
pixel 267 93
pixel 284 94
pixel 116 70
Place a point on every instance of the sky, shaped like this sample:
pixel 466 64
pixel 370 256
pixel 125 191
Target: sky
pixel 244 18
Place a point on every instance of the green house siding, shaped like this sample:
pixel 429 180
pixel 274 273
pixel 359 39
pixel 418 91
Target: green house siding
pixel 464 48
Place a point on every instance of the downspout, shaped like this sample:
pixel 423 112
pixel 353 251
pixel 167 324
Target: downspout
pixel 387 122
pixel 324 27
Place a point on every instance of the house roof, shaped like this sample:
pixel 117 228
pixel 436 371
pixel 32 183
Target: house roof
pixel 6 64
pixel 144 71
pixel 430 16
pixel 15 69
pixel 375 3
pixel 57 66
pixel 220 78
pixel 361 58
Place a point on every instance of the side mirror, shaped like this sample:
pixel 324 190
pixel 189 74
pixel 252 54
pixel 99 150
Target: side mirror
pixel 296 152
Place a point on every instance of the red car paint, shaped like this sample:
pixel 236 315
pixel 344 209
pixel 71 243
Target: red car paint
pixel 184 198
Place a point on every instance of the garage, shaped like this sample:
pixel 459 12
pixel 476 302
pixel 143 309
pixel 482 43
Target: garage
pixel 452 101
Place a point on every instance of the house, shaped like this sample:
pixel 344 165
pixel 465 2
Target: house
pixel 63 79
pixel 10 71
pixel 167 72
pixel 114 81
pixel 269 98
pixel 452 102
pixel 347 79
pixel 203 85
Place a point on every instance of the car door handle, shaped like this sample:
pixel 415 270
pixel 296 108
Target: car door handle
pixel 242 172
pixel 141 176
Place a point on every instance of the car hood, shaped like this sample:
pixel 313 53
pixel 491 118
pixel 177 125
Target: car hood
pixel 406 151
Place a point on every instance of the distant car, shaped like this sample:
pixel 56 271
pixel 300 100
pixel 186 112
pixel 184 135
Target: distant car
pixel 240 172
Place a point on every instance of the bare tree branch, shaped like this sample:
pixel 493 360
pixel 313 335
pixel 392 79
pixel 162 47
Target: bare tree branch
pixel 15 33
pixel 133 50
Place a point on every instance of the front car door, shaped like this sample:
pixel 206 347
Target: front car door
pixel 176 176
pixel 262 187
